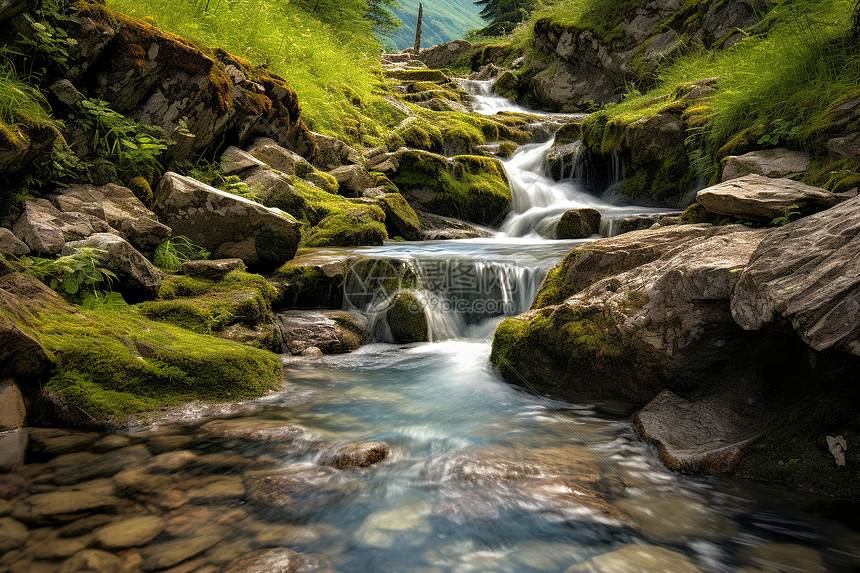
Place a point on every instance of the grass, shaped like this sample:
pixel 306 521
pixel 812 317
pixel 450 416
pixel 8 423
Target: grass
pixel 331 59
pixel 21 105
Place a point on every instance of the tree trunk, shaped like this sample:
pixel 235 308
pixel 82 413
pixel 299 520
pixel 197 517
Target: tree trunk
pixel 855 30
pixel 418 29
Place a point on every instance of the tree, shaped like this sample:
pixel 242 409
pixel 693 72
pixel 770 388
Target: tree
pixel 380 16
pixel 504 15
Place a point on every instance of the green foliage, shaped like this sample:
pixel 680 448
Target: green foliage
pixel 329 55
pixel 43 41
pixel 784 130
pixel 789 214
pixel 504 15
pixel 170 254
pixel 133 148
pixel 75 277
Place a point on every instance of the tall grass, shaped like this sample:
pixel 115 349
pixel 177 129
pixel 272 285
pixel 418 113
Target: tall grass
pixel 20 104
pixel 328 56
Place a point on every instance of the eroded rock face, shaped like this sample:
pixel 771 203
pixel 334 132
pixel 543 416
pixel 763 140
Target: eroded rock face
pixel 443 55
pixel 628 316
pixel 228 225
pixel 761 197
pixel 45 229
pixel 808 273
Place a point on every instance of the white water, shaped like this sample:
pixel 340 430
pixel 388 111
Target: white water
pixel 485 102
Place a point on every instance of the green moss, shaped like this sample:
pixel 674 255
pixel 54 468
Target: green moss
pixel 115 365
pixel 506 149
pixel 345 230
pixel 400 217
pixel 695 213
pixel 418 75
pixel 847 183
pixel 141 189
pixel 175 286
pixel 469 187
pixel 308 286
pixel 568 133
pixel 381 180
pixel 407 319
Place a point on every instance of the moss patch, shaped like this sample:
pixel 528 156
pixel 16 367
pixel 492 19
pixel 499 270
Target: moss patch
pixel 114 365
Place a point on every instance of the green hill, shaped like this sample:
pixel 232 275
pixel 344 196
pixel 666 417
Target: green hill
pixel 444 20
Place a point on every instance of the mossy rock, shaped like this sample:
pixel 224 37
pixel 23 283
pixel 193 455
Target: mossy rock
pixel 578 224
pixel 695 213
pixel 507 85
pixel 400 218
pixel 568 133
pixel 141 189
pixel 347 229
pixel 115 365
pixel 435 76
pixel 506 149
pixel 407 319
pixel 468 187
pixel 310 284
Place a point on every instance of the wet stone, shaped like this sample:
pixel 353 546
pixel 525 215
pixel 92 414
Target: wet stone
pixel 677 518
pixel 50 441
pixel 273 561
pixel 85 525
pixel 254 430
pixel 161 444
pixel 357 455
pixel 54 547
pixel 61 505
pixel 80 466
pixel 782 557
pixel 163 555
pixel 131 532
pixel 300 489
pixel 92 561
pixel 638 558
pixel 171 461
pixel 110 442
pixel 5 508
pixel 13 534
pixel 407 524
pixel 13 449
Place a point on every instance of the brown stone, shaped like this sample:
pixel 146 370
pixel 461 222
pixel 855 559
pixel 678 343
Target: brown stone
pixel 357 455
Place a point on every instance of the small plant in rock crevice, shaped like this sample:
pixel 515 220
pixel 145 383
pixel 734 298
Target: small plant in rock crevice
pixel 170 254
pixel 78 277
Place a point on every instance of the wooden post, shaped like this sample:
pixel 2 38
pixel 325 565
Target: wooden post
pixel 418 29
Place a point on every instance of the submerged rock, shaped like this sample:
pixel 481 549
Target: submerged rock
pixel 638 558
pixel 131 532
pixel 272 561
pixel 357 455
pixel 764 198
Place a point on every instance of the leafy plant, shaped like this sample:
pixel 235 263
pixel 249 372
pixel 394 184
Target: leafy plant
pixel 44 42
pixel 170 254
pixel 784 130
pixel 789 214
pixel 132 147
pixel 75 277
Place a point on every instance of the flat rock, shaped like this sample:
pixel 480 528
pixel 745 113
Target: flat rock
pixel 709 436
pixel 169 553
pixel 404 525
pixel 235 161
pixel 80 466
pixel 768 162
pixel 638 559
pixel 782 557
pixel 299 489
pixel 332 332
pixel 255 430
pixel 136 276
pixel 761 197
pixel 61 504
pixel 677 518
pixel 357 455
pixel 807 272
pixel 131 532
pixel 277 157
pixel 214 270
pixel 228 225
pixel 267 561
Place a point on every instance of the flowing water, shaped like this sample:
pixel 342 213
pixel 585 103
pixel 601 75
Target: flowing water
pixel 481 476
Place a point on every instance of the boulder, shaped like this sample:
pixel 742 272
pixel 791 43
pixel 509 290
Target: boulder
pixel 213 270
pixel 629 316
pixel 706 436
pixel 279 158
pixel 119 208
pixel 760 197
pixel 400 219
pixel 352 180
pixel 275 190
pixel 45 229
pixel 13 413
pixel 776 163
pixel 357 455
pixel 807 273
pixel 438 227
pixel 313 279
pixel 334 153
pixel 331 332
pixel 12 245
pixel 136 276
pixel 407 318
pixel 578 224
pixel 234 161
pixel 228 225
pixel 443 55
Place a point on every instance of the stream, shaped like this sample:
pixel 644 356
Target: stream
pixel 482 476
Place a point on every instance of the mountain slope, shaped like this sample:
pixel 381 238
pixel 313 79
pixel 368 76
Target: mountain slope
pixel 444 20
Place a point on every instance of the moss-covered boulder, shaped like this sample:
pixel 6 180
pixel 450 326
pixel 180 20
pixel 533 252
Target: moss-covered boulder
pixel 313 279
pixel 467 187
pixel 400 218
pixel 209 306
pixel 407 318
pixel 106 367
pixel 350 228
pixel 578 224
pixel 306 332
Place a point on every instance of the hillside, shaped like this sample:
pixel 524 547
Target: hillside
pixel 444 20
